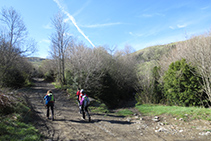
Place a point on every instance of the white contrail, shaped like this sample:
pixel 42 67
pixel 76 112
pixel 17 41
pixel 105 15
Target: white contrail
pixel 73 21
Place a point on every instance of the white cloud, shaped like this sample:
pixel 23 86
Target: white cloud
pixel 81 9
pixel 101 25
pixel 204 8
pixel 147 15
pixel 178 26
pixel 171 27
pixel 68 34
pixel 45 41
pixel 48 26
pixel 181 26
pixel 66 20
pixel 73 21
pixel 152 15
pixel 135 34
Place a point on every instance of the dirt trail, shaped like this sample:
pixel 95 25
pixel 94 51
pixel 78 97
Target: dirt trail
pixel 68 124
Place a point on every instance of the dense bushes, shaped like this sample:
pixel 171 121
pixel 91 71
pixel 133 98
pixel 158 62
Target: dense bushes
pixel 17 74
pixel 180 76
pixel 105 77
pixel 49 76
pixel 13 78
pixel 15 71
pixel 182 86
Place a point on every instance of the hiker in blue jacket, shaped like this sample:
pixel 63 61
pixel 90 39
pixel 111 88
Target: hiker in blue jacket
pixel 49 102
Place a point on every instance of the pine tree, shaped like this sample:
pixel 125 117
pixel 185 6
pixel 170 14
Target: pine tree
pixel 181 85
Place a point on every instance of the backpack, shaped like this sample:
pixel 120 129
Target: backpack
pixel 47 98
pixel 52 97
pixel 85 101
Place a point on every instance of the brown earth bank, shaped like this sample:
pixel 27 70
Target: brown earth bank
pixel 69 126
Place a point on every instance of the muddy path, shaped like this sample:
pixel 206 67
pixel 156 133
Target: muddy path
pixel 69 126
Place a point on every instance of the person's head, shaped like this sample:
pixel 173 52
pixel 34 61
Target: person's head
pixel 82 91
pixel 49 91
pixel 79 89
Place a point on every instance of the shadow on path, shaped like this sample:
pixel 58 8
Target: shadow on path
pixel 98 120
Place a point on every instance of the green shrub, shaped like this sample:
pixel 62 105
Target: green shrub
pixel 13 78
pixel 182 85
pixel 49 76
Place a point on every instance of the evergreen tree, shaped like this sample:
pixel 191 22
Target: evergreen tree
pixel 181 85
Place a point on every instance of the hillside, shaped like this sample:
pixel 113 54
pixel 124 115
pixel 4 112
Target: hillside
pixel 153 52
pixel 148 58
pixel 144 55
pixel 36 61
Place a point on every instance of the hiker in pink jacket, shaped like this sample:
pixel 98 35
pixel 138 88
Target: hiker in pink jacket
pixel 84 102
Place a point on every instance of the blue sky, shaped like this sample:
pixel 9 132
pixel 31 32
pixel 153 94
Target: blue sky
pixel 138 23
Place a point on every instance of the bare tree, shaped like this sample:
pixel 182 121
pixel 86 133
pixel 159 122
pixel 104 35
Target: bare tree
pixel 88 65
pixel 60 40
pixel 144 85
pixel 124 67
pixel 13 39
pixel 16 27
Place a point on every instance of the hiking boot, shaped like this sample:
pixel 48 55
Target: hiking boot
pixel 52 118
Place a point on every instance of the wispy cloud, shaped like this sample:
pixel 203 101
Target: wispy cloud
pixel 171 27
pixel 81 9
pixel 45 41
pixel 204 8
pixel 101 25
pixel 135 35
pixel 73 21
pixel 48 26
pixel 66 20
pixel 152 15
pixel 181 25
pixel 147 15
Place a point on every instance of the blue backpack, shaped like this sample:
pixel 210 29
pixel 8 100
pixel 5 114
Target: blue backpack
pixel 47 98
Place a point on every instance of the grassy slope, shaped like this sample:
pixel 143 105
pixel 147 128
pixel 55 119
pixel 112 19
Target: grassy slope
pixel 153 52
pixel 147 58
pixel 16 118
pixel 188 113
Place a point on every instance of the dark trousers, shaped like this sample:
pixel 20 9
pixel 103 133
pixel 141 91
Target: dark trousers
pixel 50 105
pixel 85 109
pixel 78 99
